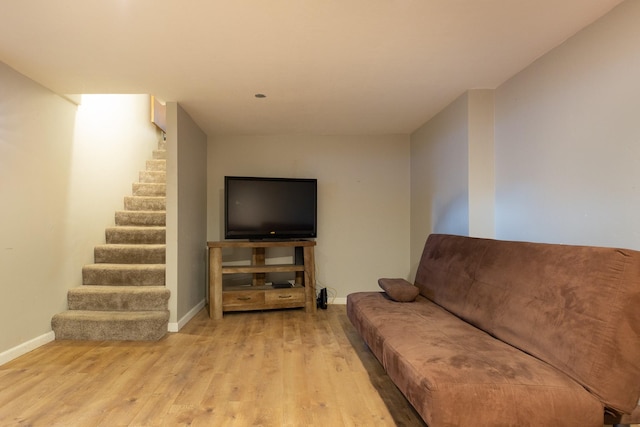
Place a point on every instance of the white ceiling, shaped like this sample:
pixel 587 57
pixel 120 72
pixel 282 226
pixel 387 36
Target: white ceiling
pixel 326 66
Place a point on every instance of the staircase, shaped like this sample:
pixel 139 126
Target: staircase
pixel 123 294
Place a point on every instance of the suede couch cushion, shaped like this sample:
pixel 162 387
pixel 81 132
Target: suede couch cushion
pixel 399 289
pixel 457 375
pixel 574 307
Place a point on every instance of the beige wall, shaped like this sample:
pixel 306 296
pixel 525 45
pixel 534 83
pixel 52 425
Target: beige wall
pixel 565 159
pixel 440 177
pixel 64 172
pixel 568 140
pixel 452 172
pixel 363 198
pixel 36 152
pixel 186 215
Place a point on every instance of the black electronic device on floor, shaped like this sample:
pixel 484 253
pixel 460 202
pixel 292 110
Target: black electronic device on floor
pixel 322 299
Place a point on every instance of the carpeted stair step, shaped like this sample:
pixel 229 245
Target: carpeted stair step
pixel 136 234
pixel 156 165
pixel 145 203
pixel 129 254
pixel 110 325
pixel 152 176
pixel 123 296
pixel 149 189
pixel 157 218
pixel 118 298
pixel 124 274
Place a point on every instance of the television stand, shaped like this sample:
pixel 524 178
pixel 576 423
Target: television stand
pixel 259 295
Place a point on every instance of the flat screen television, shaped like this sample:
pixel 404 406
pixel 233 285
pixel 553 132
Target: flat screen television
pixel 270 208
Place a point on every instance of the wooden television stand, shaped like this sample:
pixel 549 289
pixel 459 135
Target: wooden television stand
pixel 258 295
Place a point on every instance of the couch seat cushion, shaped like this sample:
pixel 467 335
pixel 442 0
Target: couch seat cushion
pixel 457 375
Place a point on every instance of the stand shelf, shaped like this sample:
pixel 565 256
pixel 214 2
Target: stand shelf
pixel 258 295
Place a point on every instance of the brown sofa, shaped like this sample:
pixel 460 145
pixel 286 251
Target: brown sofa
pixel 511 333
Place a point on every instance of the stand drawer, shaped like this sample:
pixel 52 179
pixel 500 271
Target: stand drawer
pixel 285 296
pixel 242 300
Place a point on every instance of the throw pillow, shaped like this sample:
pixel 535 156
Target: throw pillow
pixel 399 289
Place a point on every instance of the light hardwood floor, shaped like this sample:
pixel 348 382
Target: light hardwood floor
pixel 272 368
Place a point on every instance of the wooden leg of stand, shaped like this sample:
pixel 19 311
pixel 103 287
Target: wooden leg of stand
pixel 215 283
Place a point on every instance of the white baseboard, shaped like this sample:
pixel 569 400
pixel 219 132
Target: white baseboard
pixel 31 345
pixel 26 347
pixel 176 326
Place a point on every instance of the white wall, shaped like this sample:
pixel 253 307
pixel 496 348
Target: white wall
pixel 64 171
pixel 363 198
pixel 186 215
pixel 565 153
pixel 482 178
pixel 440 177
pixel 568 140
pixel 452 172
pixel 113 140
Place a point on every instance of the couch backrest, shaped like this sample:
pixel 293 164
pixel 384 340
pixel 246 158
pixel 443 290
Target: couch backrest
pixel 574 307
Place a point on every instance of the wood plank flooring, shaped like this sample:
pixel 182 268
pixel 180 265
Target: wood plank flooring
pixel 272 368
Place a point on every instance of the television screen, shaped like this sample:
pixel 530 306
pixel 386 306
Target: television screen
pixel 270 208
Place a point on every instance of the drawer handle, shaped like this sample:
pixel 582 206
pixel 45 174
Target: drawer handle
pixel 284 296
pixel 244 298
